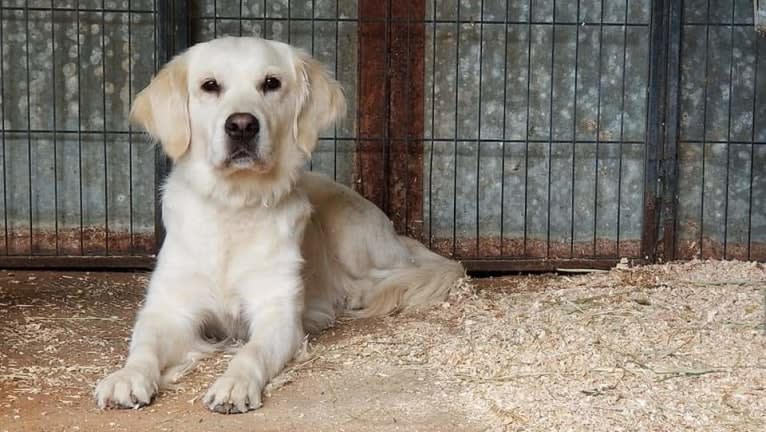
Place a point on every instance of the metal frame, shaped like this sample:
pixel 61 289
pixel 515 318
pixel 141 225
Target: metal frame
pixel 174 36
pixel 661 185
pixel 44 250
pixel 390 141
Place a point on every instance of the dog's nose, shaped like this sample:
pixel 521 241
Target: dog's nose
pixel 242 126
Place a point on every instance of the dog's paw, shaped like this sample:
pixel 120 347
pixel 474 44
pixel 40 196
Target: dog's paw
pixel 232 395
pixel 125 388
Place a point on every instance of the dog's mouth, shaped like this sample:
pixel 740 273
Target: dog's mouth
pixel 242 159
pixel 243 154
pixel 246 161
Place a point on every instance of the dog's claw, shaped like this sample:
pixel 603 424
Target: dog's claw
pixel 230 395
pixel 226 408
pixel 126 388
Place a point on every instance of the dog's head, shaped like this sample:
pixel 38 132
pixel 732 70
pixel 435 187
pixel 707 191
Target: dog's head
pixel 243 106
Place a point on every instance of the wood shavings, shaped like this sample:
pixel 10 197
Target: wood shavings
pixel 664 347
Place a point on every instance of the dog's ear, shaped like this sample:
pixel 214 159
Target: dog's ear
pixel 322 101
pixel 162 108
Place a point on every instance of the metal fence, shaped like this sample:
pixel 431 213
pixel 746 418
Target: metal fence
pixel 76 180
pixel 514 135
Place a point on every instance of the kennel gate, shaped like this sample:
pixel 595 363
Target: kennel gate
pixel 514 135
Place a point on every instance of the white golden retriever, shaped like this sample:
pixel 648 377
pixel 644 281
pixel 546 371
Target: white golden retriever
pixel 256 249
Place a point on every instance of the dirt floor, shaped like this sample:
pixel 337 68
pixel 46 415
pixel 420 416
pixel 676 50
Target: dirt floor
pixel 661 348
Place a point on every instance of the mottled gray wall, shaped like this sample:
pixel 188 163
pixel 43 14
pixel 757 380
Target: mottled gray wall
pixel 534 120
pixel 92 175
pixel 515 105
pixel 90 187
pixel 722 196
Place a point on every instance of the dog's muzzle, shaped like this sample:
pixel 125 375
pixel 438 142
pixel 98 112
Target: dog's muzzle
pixel 242 130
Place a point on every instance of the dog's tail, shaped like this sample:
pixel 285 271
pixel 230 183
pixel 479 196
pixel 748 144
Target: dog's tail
pixel 426 280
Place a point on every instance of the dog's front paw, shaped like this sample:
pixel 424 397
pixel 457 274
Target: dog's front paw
pixel 126 388
pixel 231 395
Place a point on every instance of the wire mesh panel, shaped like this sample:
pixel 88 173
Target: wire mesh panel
pixel 722 182
pixel 512 134
pixel 76 180
pixel 522 124
pixel 535 127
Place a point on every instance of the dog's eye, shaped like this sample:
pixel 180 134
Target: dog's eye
pixel 271 84
pixel 211 86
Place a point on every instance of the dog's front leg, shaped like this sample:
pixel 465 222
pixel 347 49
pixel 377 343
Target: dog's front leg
pixel 275 334
pixel 164 333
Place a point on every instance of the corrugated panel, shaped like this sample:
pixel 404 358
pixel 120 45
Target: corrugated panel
pixel 535 128
pixel 76 180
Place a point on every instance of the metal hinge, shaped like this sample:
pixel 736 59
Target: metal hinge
pixel 759 15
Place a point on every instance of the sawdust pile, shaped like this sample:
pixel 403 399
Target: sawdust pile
pixel 665 347
pixel 670 347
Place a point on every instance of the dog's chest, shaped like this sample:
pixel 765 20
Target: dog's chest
pixel 236 246
pixel 226 242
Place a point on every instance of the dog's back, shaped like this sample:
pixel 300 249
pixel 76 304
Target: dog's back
pixel 357 264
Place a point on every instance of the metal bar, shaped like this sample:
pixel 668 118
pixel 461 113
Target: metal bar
pixel 508 265
pixel 446 140
pixel 373 101
pixel 240 21
pixel 29 126
pixel 75 131
pixel 215 18
pixel 163 25
pixel 416 52
pixel 79 130
pixel 669 163
pixel 289 21
pixel 574 135
pixel 313 36
pixel 406 114
pixel 526 126
pixel 622 122
pixel 174 36
pixel 752 151
pixel 728 146
pixel 55 144
pixel 5 147
pixel 381 138
pixel 70 9
pixel 103 112
pixel 505 126
pixel 134 262
pixel 704 133
pixel 181 24
pixel 130 129
pixel 357 176
pixel 335 127
pixel 409 115
pixel 430 21
pixel 658 41
pixel 433 132
pixel 478 143
pixel 51 262
pixel 550 136
pixel 386 145
pixel 598 129
pixel 758 143
pixel 457 128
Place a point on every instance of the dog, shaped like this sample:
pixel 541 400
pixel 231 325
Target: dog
pixel 256 249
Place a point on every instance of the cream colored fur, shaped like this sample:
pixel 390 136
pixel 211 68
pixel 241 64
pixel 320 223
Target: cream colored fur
pixel 261 253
